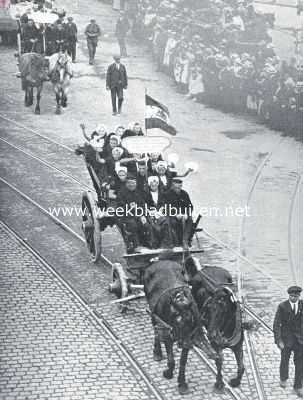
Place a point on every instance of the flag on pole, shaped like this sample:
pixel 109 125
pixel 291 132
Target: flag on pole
pixel 157 116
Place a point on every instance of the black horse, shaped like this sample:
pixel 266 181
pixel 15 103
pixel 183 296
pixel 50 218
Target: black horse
pixel 221 313
pixel 175 316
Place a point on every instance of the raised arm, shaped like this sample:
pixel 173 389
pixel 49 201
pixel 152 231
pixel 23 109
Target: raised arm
pixel 82 126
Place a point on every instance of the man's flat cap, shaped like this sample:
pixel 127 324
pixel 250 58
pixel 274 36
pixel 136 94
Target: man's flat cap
pixel 177 180
pixel 294 290
pixel 131 177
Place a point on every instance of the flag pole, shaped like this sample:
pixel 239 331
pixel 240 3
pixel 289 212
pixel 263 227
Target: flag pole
pixel 145 111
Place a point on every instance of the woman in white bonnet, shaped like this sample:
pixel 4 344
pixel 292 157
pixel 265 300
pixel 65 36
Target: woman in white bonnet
pixel 166 175
pixel 100 131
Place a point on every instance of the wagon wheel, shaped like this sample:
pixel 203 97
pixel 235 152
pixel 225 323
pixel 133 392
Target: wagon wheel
pixel 118 284
pixel 91 226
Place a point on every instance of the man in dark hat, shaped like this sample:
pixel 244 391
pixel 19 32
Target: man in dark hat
pixel 116 81
pixel 92 33
pixel 71 37
pixel 288 334
pixel 179 208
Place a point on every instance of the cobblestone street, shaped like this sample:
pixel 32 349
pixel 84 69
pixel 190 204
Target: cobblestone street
pixel 50 346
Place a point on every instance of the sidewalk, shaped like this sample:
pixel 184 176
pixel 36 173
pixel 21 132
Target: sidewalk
pixel 50 346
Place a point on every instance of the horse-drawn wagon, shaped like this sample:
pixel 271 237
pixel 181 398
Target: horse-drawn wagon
pixel 98 213
pixel 190 304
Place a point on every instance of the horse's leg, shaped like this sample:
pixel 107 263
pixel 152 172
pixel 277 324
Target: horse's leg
pixel 169 372
pixel 58 100
pixel 219 385
pixel 64 99
pixel 39 90
pixel 183 386
pixel 157 344
pixel 238 352
pixel 30 96
pixel 26 97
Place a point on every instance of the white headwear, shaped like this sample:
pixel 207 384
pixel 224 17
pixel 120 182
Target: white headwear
pixel 117 150
pixel 151 179
pixel 120 169
pixel 97 142
pixel 100 128
pixel 161 164
pixel 115 137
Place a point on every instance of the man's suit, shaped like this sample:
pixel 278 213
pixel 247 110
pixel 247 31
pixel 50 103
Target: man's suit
pixel 116 81
pixel 288 328
pixel 71 38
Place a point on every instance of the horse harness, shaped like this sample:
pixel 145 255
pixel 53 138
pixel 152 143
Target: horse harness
pixel 236 335
pixel 166 331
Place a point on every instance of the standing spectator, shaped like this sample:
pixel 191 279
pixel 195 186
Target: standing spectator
pixel 71 38
pixel 122 27
pixel 92 33
pixel 116 81
pixel 288 333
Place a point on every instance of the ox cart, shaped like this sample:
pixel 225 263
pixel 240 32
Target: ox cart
pixel 97 225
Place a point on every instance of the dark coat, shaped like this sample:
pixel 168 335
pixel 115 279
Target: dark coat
pixel 116 78
pixel 180 201
pixel 142 184
pixel 169 176
pixel 287 326
pixel 30 32
pixel 60 35
pixel 71 32
pixel 92 33
pixel 150 202
pixel 127 198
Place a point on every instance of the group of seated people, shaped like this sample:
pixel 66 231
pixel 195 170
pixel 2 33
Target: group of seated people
pixel 152 209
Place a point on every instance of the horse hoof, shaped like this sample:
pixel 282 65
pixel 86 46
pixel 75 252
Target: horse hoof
pixel 37 112
pixel 219 388
pixel 183 388
pixel 158 357
pixel 58 111
pixel 234 382
pixel 168 374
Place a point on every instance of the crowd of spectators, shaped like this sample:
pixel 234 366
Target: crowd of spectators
pixel 220 52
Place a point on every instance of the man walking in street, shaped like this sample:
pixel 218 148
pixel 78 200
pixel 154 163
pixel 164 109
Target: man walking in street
pixel 92 33
pixel 116 81
pixel 71 38
pixel 122 27
pixel 288 333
